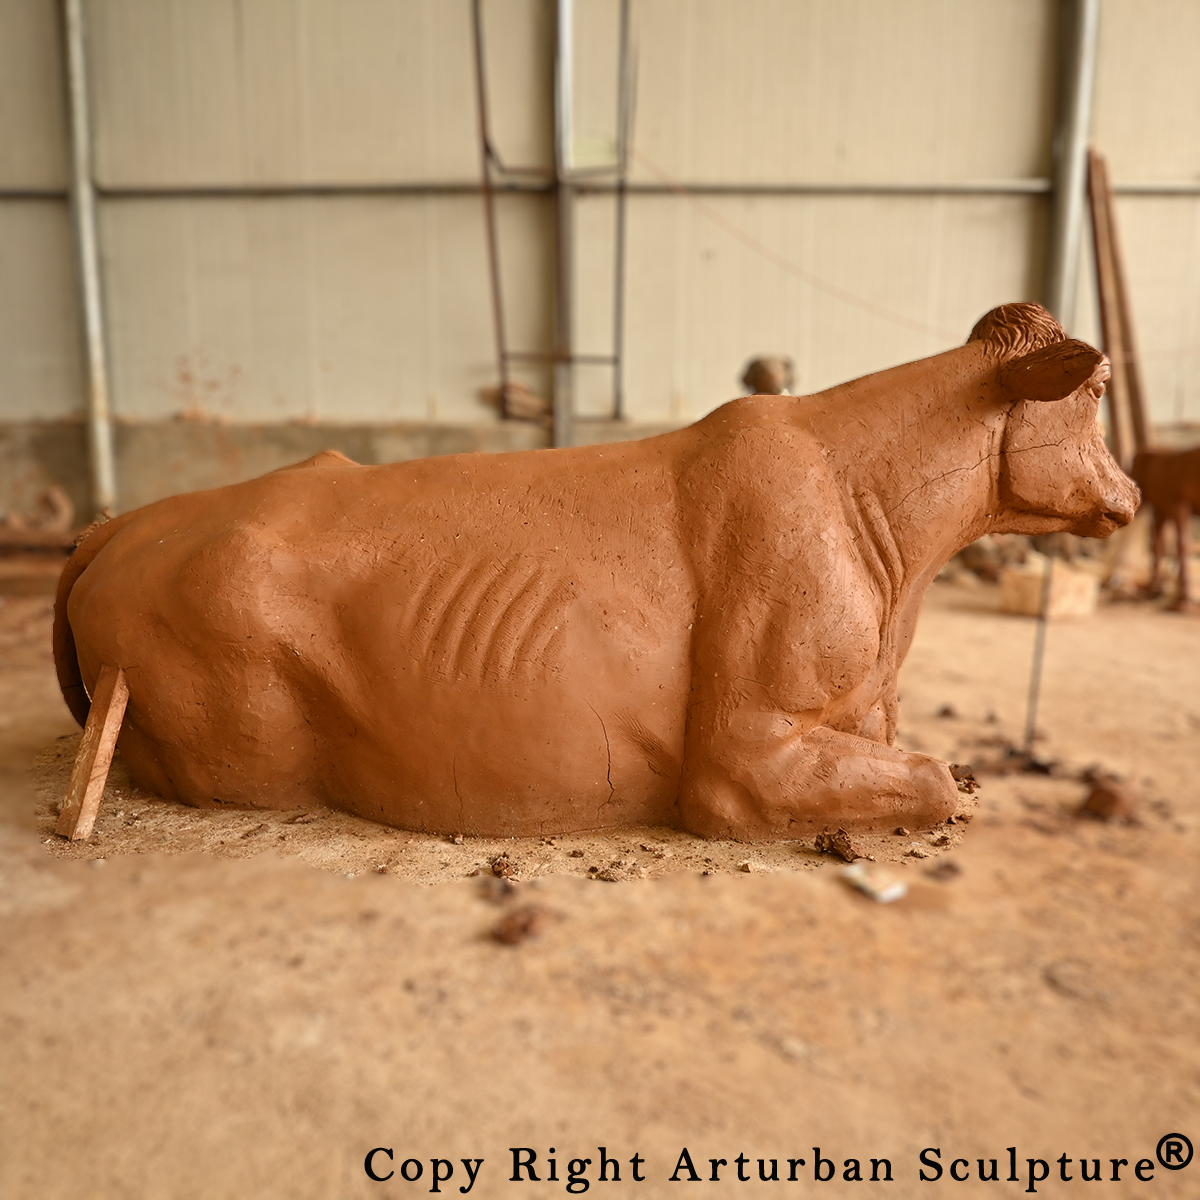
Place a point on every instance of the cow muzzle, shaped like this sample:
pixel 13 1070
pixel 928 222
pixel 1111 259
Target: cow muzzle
pixel 1118 509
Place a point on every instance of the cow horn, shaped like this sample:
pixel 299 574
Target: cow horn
pixel 1052 373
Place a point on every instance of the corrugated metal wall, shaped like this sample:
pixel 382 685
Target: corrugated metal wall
pixel 1147 121
pixel 341 308
pixel 828 92
pixel 40 370
pixel 227 298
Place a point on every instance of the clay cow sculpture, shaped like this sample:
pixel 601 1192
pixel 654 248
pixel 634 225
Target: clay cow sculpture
pixel 1170 484
pixel 701 629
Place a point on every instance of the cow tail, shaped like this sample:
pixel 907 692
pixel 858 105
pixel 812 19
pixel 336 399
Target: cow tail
pixel 66 660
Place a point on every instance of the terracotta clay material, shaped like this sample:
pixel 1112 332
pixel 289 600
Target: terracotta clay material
pixel 700 629
pixel 1170 483
pixel 1111 799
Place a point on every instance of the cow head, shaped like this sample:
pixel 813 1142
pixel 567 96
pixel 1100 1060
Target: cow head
pixel 1056 473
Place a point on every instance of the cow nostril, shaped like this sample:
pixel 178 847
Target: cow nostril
pixel 1119 518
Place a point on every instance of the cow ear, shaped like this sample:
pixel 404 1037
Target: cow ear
pixel 1052 373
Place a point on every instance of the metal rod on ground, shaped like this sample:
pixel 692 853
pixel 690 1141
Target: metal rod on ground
pixel 564 372
pixel 83 218
pixel 1079 69
pixel 1039 651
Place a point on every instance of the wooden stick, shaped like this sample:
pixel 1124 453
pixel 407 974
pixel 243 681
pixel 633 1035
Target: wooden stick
pixel 1099 196
pixel 82 803
pixel 1133 369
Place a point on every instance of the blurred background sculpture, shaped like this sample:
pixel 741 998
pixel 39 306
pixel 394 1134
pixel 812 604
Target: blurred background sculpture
pixel 769 376
pixel 1170 484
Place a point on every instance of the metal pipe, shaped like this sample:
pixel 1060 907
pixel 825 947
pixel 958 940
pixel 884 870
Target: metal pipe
pixel 1070 165
pixel 624 117
pixel 489 207
pixel 251 191
pixel 970 187
pixel 564 373
pixel 255 191
pixel 584 185
pixel 564 81
pixel 83 216
pixel 550 356
pixel 33 193
pixel 454 187
pixel 1165 187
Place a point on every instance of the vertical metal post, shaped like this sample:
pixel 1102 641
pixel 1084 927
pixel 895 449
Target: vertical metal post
pixel 624 115
pixel 564 370
pixel 489 204
pixel 83 218
pixel 1070 157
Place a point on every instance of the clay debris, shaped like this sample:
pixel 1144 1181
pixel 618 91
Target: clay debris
pixel 1111 799
pixel 519 925
pixel 841 844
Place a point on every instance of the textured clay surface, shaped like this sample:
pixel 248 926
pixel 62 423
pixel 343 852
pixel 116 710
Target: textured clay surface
pixel 701 630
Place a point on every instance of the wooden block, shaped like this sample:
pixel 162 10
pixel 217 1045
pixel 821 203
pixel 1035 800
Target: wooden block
pixel 1073 593
pixel 95 755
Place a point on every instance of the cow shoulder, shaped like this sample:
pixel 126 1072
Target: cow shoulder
pixel 753 463
pixel 325 459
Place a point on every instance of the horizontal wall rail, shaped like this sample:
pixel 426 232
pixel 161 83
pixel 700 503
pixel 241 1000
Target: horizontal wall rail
pixel 250 191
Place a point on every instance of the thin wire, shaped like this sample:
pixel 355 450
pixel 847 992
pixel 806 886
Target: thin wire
pixel 813 281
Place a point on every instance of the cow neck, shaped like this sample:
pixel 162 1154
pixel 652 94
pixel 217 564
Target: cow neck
pixel 915 449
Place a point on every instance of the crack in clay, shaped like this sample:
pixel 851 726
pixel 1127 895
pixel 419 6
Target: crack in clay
pixel 454 776
pixel 608 751
pixel 972 467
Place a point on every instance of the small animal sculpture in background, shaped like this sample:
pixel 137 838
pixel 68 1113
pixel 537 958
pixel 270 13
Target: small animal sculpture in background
pixel 701 629
pixel 769 376
pixel 1170 483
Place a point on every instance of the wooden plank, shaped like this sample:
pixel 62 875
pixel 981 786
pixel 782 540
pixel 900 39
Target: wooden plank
pixel 82 802
pixel 1133 367
pixel 1100 199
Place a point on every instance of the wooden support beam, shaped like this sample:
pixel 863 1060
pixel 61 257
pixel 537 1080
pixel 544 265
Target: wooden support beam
pixel 1133 366
pixel 1123 439
pixel 95 755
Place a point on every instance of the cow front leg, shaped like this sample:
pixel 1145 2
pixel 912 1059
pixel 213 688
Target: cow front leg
pixel 764 780
pixel 1183 540
pixel 879 725
pixel 1158 551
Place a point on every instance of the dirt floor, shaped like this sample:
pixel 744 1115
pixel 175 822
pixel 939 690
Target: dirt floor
pixel 190 1009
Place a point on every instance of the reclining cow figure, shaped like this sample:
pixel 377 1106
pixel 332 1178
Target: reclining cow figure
pixel 701 629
